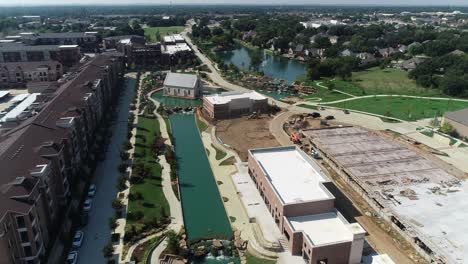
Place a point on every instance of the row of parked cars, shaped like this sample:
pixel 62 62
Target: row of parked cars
pixel 77 241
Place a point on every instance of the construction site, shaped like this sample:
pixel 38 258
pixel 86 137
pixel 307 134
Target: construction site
pixel 418 194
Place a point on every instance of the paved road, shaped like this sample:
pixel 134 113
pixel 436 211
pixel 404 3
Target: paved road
pixel 97 232
pixel 218 79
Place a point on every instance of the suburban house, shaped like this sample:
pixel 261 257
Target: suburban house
pixel 182 85
pixel 458 120
pixel 346 52
pixel 387 52
pixel 234 104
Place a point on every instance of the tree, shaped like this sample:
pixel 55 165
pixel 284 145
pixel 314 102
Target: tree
pixel 117 204
pixel 255 60
pixel 172 242
pixel 455 83
pixel 157 35
pixel 217 31
pixel 108 250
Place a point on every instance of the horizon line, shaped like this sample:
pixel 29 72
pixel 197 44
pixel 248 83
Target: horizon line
pixel 224 4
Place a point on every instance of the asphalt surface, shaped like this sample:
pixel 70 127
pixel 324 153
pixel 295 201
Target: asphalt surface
pixel 97 231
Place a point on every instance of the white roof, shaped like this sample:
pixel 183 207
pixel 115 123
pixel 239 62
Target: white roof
pixel 293 174
pixel 68 46
pixel 182 80
pixel 172 49
pixel 323 228
pixel 226 97
pixel 173 38
pixel 19 97
pixel 15 112
pixel 4 93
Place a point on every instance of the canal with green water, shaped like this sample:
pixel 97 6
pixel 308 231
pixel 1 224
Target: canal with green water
pixel 203 210
pixel 274 66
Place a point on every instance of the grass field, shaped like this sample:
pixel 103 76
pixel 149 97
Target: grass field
pixel 151 31
pixel 324 94
pixel 385 81
pixel 153 198
pixel 251 259
pixel 409 109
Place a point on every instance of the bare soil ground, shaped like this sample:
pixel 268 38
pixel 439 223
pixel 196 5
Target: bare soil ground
pixel 381 237
pixel 243 134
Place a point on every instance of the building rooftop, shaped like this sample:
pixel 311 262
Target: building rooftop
pixel 174 38
pixel 294 176
pixel 227 97
pixel 172 49
pixel 4 93
pixel 182 80
pixel 23 147
pixel 325 228
pixel 460 116
pixel 16 112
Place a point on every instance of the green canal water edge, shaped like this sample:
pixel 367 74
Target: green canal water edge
pixel 203 210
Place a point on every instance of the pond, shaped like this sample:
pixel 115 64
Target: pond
pixel 273 66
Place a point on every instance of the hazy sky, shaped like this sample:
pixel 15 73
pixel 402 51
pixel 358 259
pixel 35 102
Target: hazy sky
pixel 329 2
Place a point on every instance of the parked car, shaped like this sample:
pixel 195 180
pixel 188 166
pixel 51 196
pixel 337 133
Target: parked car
pixel 315 114
pixel 72 257
pixel 77 239
pixel 87 205
pixel 330 117
pixel 84 218
pixel 346 111
pixel 92 190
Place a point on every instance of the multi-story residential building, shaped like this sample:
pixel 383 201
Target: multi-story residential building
pixel 43 155
pixel 67 55
pixel 86 40
pixel 19 73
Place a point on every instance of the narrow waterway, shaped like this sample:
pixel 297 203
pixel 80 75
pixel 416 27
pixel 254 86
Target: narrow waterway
pixel 274 66
pixel 203 210
pixel 204 214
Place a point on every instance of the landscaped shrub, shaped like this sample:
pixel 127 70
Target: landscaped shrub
pixel 117 204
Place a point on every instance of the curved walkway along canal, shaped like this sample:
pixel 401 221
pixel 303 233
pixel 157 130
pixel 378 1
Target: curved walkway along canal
pixel 203 210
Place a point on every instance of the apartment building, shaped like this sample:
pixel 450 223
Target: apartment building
pixel 293 188
pixel 86 40
pixel 42 156
pixel 67 55
pixel 19 73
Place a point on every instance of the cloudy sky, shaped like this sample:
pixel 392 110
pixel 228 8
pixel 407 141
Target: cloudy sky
pixel 337 2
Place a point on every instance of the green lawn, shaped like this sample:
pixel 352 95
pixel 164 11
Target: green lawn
pixel 326 95
pixel 314 107
pixel 385 81
pixel 254 260
pixel 409 109
pixel 153 198
pixel 220 154
pixel 151 31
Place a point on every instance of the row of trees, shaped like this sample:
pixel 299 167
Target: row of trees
pixel 341 67
pixel 448 72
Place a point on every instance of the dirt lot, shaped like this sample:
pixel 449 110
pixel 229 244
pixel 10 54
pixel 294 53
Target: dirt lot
pixel 243 134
